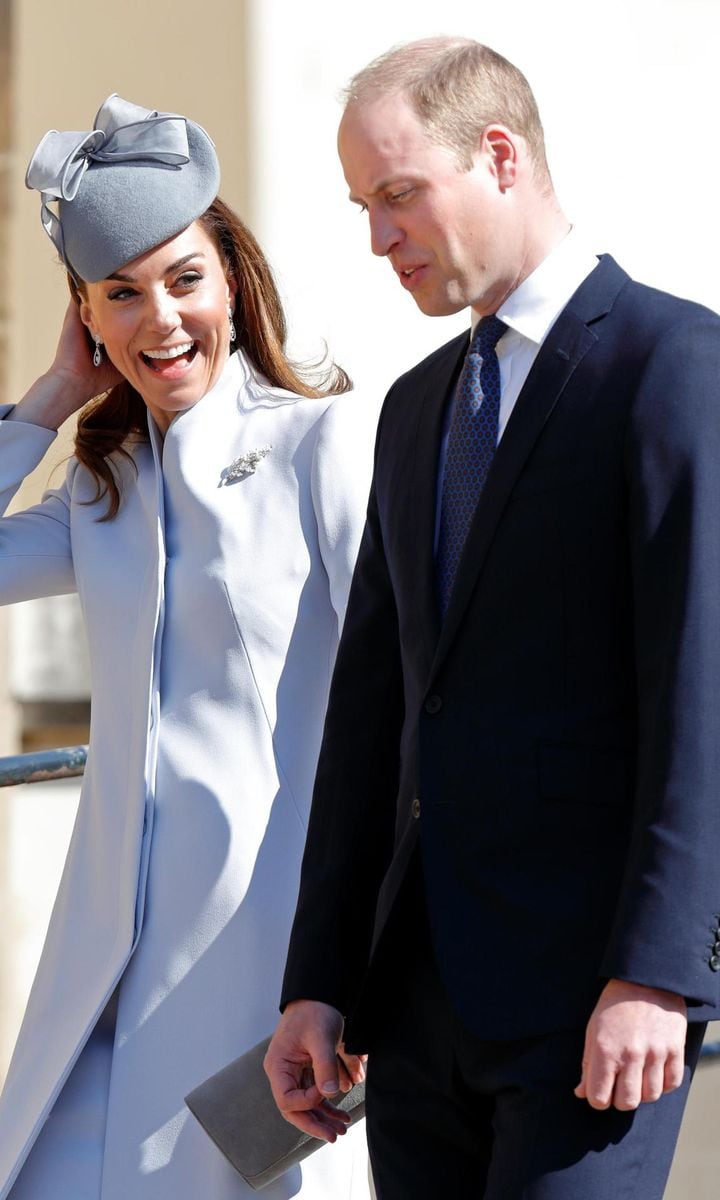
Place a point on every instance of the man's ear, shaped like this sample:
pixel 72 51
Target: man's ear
pixel 501 148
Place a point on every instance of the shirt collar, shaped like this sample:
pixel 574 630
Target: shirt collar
pixel 537 302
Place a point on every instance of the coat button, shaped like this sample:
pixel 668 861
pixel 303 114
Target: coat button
pixel 715 962
pixel 433 704
pixel 415 808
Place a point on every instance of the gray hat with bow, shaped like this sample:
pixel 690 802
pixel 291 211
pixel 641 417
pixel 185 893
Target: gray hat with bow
pixel 136 179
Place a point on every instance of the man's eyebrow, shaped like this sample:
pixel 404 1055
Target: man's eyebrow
pixel 380 187
pixel 180 262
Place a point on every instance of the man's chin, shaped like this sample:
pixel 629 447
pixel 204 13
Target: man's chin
pixel 438 306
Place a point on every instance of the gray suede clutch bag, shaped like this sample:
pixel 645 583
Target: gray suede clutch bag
pixel 236 1108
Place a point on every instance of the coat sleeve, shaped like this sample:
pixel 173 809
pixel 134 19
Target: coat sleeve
pixel 340 482
pixel 668 918
pixel 35 547
pixel 351 829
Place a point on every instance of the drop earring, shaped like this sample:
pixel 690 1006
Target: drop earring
pixel 97 356
pixel 233 331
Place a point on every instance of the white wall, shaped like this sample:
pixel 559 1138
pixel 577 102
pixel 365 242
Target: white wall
pixel 629 94
pixel 48 650
pixel 36 828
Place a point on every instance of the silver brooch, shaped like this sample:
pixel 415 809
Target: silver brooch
pixel 245 465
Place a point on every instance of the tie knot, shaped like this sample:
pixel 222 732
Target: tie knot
pixel 487 334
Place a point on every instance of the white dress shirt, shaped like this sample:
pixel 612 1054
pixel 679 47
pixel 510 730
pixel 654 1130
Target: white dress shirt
pixel 529 313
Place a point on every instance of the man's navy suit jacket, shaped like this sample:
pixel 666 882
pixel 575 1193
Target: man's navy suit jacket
pixel 555 743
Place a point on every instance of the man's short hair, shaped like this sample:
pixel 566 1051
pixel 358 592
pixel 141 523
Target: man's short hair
pixel 457 87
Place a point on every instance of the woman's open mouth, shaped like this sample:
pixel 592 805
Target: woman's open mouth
pixel 170 361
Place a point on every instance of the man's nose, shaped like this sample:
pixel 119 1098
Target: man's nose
pixel 384 233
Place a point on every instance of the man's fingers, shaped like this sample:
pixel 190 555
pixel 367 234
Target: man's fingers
pixel 598 1076
pixel 304 1107
pixel 351 1067
pixel 292 1086
pixel 653 1083
pixel 599 1080
pixel 325 1070
pixel 302 1067
pixel 633 1046
pixel 637 1081
pixel 628 1089
pixel 674 1071
pixel 324 1121
pixel 581 1089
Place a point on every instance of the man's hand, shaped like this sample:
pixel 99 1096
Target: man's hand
pixel 634 1046
pixel 307 1047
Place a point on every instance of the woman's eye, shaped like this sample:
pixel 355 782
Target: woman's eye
pixel 120 293
pixel 188 279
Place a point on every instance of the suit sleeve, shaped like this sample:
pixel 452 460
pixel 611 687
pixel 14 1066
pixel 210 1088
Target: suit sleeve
pixel 668 916
pixel 351 828
pixel 35 548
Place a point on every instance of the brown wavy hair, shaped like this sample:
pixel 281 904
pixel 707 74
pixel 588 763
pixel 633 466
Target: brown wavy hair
pixel 109 421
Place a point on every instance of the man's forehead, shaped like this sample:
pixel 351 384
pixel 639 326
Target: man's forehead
pixel 382 139
pixel 379 117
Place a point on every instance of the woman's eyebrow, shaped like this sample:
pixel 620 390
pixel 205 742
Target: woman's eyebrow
pixel 118 275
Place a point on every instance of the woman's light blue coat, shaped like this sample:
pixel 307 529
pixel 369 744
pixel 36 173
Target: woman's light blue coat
pixel 283 539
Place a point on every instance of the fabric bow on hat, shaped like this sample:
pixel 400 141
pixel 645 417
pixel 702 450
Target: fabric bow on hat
pixel 123 132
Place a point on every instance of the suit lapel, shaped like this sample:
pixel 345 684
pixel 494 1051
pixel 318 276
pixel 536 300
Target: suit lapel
pixel 419 534
pixel 563 350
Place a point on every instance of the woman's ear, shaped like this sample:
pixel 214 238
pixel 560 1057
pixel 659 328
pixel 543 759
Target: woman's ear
pixel 86 317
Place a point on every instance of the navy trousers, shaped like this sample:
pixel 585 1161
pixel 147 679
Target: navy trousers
pixel 449 1115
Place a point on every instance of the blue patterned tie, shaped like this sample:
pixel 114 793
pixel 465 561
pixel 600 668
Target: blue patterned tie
pixel 471 445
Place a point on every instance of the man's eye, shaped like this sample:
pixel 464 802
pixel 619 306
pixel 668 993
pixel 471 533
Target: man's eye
pixel 398 197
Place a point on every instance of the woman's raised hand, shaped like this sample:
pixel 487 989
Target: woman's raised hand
pixel 71 381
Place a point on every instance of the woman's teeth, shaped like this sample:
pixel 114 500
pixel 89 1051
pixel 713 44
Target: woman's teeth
pixel 171 352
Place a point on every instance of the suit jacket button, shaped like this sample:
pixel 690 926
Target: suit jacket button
pixel 415 810
pixel 715 962
pixel 433 704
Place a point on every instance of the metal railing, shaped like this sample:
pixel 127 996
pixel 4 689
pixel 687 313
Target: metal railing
pixel 43 765
pixel 68 761
pixel 710 1050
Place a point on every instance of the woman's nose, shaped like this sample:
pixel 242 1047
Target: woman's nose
pixel 162 313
